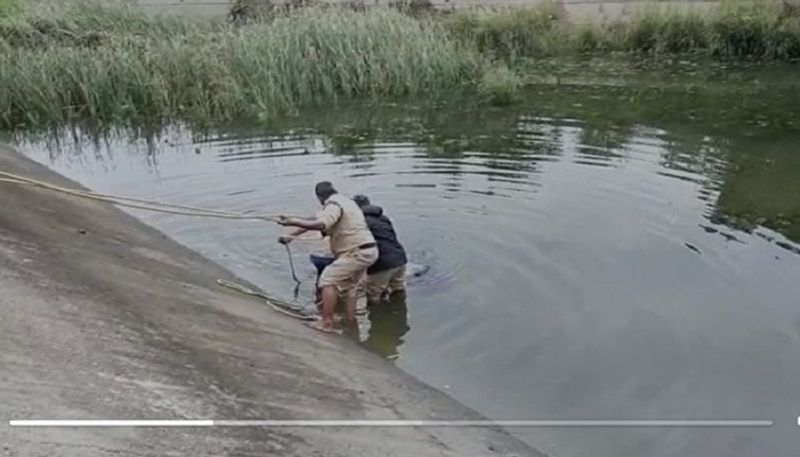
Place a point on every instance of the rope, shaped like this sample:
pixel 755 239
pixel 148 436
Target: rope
pixel 137 203
pixel 277 305
pixel 170 208
pixel 291 263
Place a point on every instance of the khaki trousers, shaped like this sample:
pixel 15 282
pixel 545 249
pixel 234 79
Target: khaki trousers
pixel 392 280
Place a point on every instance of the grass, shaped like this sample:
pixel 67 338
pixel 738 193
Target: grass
pixel 142 69
pixel 735 30
pixel 500 85
pixel 8 7
pixel 110 64
pixel 69 24
pixel 509 33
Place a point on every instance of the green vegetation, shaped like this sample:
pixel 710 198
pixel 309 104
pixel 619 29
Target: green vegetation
pixel 734 30
pixel 111 64
pixel 500 85
pixel 8 6
pixel 78 24
pixel 130 67
pixel 507 33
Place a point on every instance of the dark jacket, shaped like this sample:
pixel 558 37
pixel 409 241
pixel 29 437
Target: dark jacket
pixel 391 252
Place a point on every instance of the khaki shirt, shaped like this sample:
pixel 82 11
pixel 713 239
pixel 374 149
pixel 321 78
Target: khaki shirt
pixel 345 224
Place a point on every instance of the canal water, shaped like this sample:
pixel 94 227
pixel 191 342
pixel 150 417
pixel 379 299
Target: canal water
pixel 595 252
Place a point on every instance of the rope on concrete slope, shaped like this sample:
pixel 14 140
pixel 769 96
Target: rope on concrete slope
pixel 169 208
pixel 137 203
pixel 277 305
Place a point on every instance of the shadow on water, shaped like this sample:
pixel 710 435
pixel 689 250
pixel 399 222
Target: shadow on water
pixel 595 251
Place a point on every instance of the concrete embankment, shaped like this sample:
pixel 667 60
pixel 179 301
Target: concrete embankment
pixel 106 318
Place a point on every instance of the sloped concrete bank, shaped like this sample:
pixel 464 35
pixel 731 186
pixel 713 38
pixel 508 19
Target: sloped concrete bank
pixel 102 317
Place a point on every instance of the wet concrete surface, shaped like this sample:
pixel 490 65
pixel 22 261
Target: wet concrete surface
pixel 106 318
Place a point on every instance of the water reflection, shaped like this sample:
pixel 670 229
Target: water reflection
pixel 761 187
pixel 388 325
pixel 592 253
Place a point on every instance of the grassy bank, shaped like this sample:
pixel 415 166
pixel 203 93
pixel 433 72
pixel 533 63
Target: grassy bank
pixel 114 64
pixel 8 7
pixel 735 30
pixel 109 64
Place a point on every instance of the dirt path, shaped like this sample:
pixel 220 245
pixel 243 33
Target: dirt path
pixel 106 318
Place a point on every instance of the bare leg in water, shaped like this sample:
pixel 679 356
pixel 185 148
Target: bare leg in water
pixel 348 274
pixel 350 301
pixel 329 299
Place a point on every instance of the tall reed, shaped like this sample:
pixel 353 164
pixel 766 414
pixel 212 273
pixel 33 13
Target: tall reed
pixel 733 30
pixel 8 7
pixel 76 62
pixel 138 68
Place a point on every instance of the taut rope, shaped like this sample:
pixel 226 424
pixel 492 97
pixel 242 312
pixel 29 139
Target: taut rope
pixel 137 203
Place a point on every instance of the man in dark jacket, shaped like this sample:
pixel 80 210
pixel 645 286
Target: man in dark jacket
pixel 388 273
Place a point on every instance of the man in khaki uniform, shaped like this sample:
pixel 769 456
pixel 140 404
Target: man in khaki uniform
pixel 351 242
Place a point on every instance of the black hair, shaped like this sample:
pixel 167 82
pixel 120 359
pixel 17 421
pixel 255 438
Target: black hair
pixel 324 190
pixel 361 200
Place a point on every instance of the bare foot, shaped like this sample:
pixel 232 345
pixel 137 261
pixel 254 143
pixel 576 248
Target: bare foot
pixel 323 327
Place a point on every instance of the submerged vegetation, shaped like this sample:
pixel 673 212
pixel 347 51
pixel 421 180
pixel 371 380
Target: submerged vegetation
pixel 109 64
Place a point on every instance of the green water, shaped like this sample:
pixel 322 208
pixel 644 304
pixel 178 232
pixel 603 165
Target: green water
pixel 625 246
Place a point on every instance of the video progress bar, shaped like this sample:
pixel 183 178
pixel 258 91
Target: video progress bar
pixel 398 423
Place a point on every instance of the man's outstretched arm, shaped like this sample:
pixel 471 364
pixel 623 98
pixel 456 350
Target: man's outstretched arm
pixel 303 225
pixel 326 219
pixel 286 239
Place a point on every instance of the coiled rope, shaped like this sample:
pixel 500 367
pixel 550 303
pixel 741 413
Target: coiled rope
pixel 137 203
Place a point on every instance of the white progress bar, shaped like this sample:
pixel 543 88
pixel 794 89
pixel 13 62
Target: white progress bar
pixel 396 423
